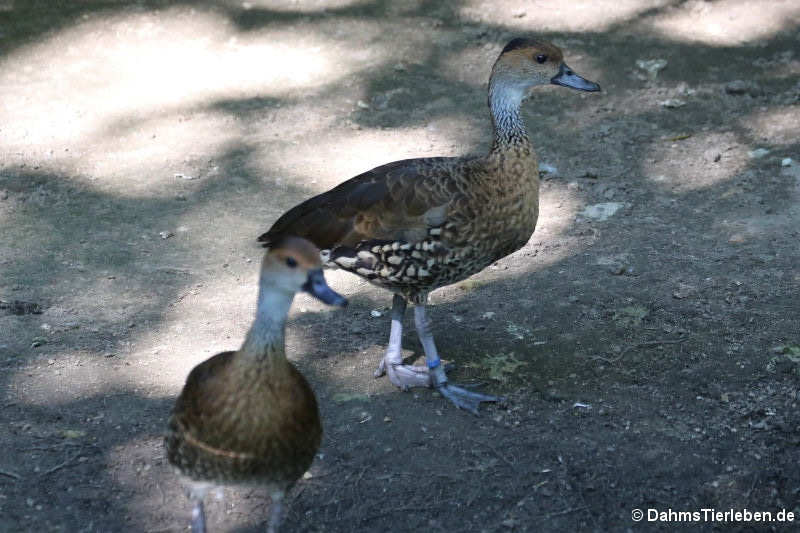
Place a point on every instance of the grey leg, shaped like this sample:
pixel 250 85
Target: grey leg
pixel 462 398
pixel 275 512
pixel 403 376
pixel 198 515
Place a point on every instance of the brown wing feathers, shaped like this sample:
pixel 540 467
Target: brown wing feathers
pixel 386 203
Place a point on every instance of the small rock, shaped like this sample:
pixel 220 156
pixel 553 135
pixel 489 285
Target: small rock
pixel 651 66
pixel 547 169
pixel 362 104
pixel 519 14
pixel 684 290
pixel 73 433
pixel 399 67
pixel 758 153
pixel 488 315
pixel 38 341
pixel 183 176
pixel 736 87
pixel 672 103
pixel 166 234
pixel 786 162
pixel 602 211
pixel 739 87
pixel 375 313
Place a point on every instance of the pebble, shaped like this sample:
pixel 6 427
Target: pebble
pixel 602 211
pixel 672 103
pixel 362 104
pixel 375 313
pixel 739 87
pixel 786 162
pixel 652 66
pixel 166 234
pixel 684 290
pixel 182 176
pixel 757 153
pixel 548 169
pixel 736 87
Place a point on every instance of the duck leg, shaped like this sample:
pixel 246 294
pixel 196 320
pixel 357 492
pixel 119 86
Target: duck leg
pixel 403 376
pixel 275 512
pixel 461 397
pixel 198 515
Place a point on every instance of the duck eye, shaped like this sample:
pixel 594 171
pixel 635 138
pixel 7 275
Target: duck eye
pixel 541 58
pixel 291 262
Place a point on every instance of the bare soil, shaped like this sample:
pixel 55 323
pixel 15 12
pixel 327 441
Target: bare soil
pixel 651 359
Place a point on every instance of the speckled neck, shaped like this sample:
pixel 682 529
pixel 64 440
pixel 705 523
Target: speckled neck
pixel 509 129
pixel 266 336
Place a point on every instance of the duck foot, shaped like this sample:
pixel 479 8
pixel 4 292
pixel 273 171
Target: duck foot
pixel 198 516
pixel 466 399
pixel 403 376
pixel 406 376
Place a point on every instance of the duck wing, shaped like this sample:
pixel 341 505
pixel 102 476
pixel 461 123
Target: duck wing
pixel 398 201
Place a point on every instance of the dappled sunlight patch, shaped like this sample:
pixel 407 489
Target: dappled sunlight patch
pixel 557 212
pixel 777 125
pixel 58 96
pixel 697 161
pixel 307 6
pixel 63 379
pixel 595 16
pixel 157 154
pixel 334 158
pixel 724 22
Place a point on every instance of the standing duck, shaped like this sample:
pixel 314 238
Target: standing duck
pixel 249 417
pixel 415 225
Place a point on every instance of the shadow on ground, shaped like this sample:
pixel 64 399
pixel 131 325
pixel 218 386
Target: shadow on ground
pixel 648 359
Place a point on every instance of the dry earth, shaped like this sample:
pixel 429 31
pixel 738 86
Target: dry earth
pixel 651 359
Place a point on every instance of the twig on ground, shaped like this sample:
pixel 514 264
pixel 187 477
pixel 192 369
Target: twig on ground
pixel 638 345
pixel 12 475
pixel 752 486
pixel 565 511
pixel 62 465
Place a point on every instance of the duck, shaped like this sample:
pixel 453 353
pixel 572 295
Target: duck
pixel 414 225
pixel 249 417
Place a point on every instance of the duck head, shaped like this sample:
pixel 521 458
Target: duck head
pixel 293 265
pixel 526 63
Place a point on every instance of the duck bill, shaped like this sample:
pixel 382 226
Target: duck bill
pixel 567 77
pixel 315 286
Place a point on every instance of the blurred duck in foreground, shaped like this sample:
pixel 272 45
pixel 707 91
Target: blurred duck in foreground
pixel 249 417
pixel 415 225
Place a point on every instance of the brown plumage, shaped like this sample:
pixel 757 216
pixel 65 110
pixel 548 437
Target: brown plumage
pixel 415 225
pixel 249 416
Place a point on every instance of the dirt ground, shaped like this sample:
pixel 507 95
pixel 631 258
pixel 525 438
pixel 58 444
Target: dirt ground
pixel 647 337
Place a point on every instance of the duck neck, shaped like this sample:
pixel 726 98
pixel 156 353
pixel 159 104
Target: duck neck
pixel 509 129
pixel 265 340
